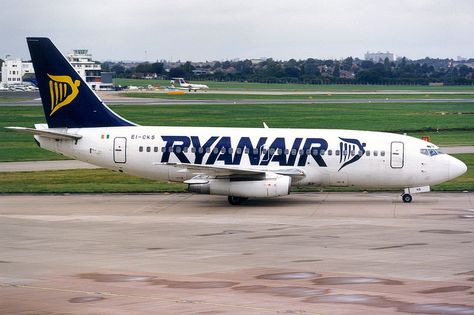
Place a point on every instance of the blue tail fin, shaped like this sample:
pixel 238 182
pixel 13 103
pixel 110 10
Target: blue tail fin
pixel 67 100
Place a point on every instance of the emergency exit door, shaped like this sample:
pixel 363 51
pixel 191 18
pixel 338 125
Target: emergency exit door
pixel 120 150
pixel 396 155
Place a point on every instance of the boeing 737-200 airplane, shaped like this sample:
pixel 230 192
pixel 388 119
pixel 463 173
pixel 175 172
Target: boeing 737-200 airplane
pixel 239 163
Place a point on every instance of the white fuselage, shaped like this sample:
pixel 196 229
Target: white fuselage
pixel 326 157
pixel 190 86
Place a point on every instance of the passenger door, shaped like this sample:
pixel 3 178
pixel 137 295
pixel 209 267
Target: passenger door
pixel 396 155
pixel 120 150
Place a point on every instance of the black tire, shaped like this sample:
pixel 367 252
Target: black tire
pixel 235 201
pixel 407 198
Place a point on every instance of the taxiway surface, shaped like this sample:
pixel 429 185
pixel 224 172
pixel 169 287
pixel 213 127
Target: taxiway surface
pixel 317 253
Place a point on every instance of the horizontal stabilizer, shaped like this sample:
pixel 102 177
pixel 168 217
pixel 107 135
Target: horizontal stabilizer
pixel 47 133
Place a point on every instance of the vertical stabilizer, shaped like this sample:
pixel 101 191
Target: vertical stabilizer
pixel 68 101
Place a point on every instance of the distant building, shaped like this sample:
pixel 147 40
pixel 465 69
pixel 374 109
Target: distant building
pixel 89 70
pixel 256 61
pixel 201 71
pixel 14 69
pixel 379 56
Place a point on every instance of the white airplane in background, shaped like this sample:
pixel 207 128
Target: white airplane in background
pixel 184 85
pixel 239 163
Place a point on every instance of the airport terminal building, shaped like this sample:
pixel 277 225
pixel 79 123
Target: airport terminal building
pixel 13 70
pixel 89 70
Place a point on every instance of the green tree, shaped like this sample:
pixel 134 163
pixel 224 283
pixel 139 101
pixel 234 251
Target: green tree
pixel 336 72
pixel 157 68
pixel 347 63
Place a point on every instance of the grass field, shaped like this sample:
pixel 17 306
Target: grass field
pixel 81 181
pixel 101 180
pixel 455 121
pixel 328 96
pixel 296 87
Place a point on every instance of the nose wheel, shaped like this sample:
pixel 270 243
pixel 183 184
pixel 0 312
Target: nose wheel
pixel 407 198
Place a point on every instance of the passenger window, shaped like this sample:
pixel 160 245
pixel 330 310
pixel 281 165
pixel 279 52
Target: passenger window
pixel 208 150
pixel 238 151
pixel 193 150
pixel 178 149
pixel 338 152
pixel 301 151
pixel 287 151
pixel 293 151
pixel 155 149
pixel 140 149
pixel 148 149
pixel 185 150
pixel 376 153
pixel 360 153
pixel 322 152
pixel 353 153
pixel 382 153
pixel 279 151
pixel 231 150
pixel 216 150
pixel 367 152
pixel 255 151
pixel 170 149
pixel 246 151
pixel 329 152
pixel 201 150
pixel 163 149
pixel 223 150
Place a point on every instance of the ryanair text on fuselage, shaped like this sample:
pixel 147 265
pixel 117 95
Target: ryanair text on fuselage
pixel 259 152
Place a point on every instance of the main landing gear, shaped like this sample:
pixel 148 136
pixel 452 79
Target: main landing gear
pixel 235 201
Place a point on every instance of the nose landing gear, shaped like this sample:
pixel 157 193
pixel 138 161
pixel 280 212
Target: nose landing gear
pixel 407 198
pixel 407 192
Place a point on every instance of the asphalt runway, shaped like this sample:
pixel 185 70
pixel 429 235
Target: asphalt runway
pixel 315 253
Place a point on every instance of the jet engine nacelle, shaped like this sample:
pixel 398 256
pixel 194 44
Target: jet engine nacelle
pixel 278 185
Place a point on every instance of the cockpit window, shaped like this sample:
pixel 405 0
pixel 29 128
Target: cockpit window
pixel 430 152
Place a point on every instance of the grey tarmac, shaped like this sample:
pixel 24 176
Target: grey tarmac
pixel 307 253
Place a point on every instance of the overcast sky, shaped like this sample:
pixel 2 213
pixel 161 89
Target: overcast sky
pixel 201 30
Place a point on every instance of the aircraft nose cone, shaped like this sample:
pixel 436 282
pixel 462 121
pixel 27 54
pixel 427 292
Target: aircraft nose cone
pixel 456 168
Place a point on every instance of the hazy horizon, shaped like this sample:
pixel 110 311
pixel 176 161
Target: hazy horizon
pixel 202 30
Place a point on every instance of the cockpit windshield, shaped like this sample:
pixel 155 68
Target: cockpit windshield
pixel 430 152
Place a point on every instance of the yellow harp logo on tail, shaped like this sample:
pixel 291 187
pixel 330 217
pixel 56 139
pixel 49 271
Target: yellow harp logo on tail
pixel 62 91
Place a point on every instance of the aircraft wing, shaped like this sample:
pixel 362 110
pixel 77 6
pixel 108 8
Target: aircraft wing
pixel 226 171
pixel 47 133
